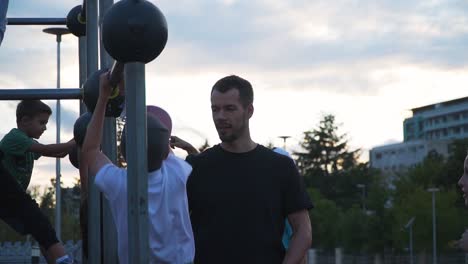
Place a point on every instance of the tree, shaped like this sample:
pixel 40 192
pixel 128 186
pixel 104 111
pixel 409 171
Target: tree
pixel 325 151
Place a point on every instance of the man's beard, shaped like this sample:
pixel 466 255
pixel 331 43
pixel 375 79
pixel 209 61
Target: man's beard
pixel 236 134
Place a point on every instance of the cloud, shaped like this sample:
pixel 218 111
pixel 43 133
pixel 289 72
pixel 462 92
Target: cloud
pixel 359 60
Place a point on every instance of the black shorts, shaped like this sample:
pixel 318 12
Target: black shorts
pixel 22 213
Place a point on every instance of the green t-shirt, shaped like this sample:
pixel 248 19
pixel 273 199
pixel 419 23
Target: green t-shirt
pixel 17 160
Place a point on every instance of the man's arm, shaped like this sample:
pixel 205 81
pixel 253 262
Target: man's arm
pixel 301 239
pixel 91 158
pixel 53 150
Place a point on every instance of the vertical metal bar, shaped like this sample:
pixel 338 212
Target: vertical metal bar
pixel 58 189
pixel 137 178
pixel 109 147
pixel 82 80
pixel 82 66
pixel 411 243
pixel 94 209
pixel 434 239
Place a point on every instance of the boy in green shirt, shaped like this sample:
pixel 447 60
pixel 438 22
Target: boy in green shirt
pixel 19 149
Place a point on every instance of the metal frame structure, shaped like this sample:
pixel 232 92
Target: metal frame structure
pixel 102 235
pixel 32 21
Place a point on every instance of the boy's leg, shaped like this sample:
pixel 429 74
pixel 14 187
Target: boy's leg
pixel 23 214
pixel 53 253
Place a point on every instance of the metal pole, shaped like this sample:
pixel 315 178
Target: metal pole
pixel 82 66
pixel 94 208
pixel 137 178
pixel 58 32
pixel 411 243
pixel 363 187
pixel 58 189
pixel 284 140
pixel 364 198
pixel 434 235
pixel 82 80
pixel 109 147
pixel 29 21
pixel 40 93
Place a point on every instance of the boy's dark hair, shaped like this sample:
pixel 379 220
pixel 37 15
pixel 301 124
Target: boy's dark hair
pixel 235 82
pixel 31 108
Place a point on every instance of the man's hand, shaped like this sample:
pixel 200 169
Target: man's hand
pixel 177 142
pixel 105 89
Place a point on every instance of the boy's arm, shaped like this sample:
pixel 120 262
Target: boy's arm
pixel 53 150
pixel 177 142
pixel 91 158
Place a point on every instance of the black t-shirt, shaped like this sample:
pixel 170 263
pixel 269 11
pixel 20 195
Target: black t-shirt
pixel 239 203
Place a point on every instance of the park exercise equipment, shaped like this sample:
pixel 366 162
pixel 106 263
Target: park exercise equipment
pixel 116 103
pixel 73 157
pixel 80 126
pixel 134 31
pixel 76 21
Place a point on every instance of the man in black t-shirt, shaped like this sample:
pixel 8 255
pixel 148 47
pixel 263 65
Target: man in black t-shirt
pixel 240 192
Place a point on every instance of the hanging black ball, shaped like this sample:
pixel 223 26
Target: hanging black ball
pixel 80 127
pixel 115 105
pixel 134 32
pixel 73 157
pixel 76 23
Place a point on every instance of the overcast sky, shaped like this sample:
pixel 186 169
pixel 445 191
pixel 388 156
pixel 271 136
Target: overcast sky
pixel 366 62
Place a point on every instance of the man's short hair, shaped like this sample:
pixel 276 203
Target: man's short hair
pixel 31 108
pixel 235 82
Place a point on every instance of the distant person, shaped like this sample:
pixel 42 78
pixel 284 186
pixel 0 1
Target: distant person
pixel 169 230
pixel 240 192
pixel 287 234
pixel 3 18
pixel 19 150
pixel 463 183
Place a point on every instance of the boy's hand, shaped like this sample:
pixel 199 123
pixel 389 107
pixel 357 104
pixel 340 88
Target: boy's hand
pixel 71 143
pixel 177 142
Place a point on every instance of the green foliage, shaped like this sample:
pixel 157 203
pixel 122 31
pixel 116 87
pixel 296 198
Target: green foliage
pixel 355 232
pixel 325 221
pixel 332 175
pixel 326 152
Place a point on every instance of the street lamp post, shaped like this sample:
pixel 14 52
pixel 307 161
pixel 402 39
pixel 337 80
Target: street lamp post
pixel 409 226
pixel 363 187
pixel 58 32
pixel 284 140
pixel 434 236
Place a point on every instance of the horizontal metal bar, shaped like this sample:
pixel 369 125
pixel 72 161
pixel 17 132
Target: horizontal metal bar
pixel 41 94
pixel 36 21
